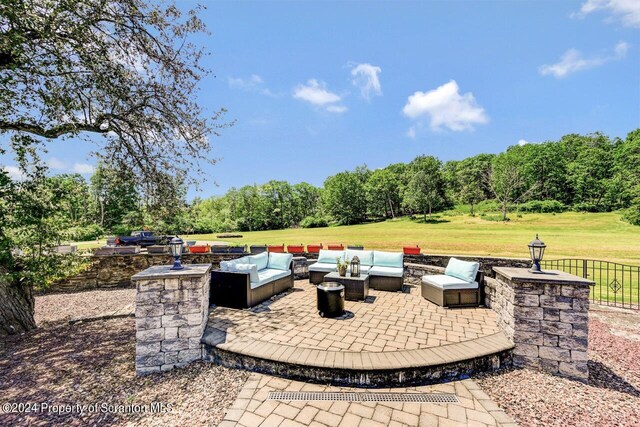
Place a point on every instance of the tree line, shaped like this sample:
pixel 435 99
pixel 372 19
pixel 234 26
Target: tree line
pixel 591 173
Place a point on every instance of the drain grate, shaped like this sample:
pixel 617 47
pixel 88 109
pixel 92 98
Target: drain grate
pixel 364 397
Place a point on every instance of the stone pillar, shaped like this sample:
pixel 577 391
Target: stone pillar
pixel 546 316
pixel 172 307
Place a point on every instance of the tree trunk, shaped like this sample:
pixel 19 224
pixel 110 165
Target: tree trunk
pixel 504 214
pixel 16 308
pixel 471 209
pixel 393 215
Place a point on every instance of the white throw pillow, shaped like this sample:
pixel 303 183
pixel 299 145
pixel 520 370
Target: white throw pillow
pixel 252 269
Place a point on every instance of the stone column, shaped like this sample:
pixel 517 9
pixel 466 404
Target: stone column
pixel 172 308
pixel 546 316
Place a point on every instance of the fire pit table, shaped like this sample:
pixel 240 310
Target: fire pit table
pixel 330 299
pixel 356 288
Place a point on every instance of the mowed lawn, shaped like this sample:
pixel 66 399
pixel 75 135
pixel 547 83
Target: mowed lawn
pixel 571 234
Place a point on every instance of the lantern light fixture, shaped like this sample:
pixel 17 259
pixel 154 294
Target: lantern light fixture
pixel 176 251
pixel 536 250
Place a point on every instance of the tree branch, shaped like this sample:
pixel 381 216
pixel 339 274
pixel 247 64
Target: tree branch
pixel 53 132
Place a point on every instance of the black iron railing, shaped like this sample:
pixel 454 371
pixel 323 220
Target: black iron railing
pixel 616 284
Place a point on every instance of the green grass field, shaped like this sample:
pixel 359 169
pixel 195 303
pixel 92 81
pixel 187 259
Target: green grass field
pixel 570 234
pixel 567 235
pixel 599 236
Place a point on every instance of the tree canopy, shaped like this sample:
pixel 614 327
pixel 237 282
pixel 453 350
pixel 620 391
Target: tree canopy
pixel 121 74
pixel 121 69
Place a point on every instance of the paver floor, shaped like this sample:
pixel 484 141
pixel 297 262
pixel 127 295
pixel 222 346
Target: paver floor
pixel 385 322
pixel 252 408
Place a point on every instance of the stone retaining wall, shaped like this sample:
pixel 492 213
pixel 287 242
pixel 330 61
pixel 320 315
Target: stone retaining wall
pixel 113 271
pixel 172 308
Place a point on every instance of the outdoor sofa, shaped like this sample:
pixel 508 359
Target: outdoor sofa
pixel 385 269
pixel 459 286
pixel 250 280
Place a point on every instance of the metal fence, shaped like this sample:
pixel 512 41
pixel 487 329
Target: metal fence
pixel 616 284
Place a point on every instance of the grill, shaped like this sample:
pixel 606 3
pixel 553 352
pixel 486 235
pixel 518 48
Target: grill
pixel 364 397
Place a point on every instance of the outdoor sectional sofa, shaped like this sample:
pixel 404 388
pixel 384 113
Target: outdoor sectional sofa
pixel 252 279
pixel 461 285
pixel 385 269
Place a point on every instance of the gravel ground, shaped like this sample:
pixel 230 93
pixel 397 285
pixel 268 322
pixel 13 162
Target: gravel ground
pixel 612 396
pixel 63 307
pixel 93 363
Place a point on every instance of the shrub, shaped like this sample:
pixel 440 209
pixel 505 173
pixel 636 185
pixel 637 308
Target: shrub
pixel 542 206
pixel 81 234
pixel 486 206
pixel 123 230
pixel 589 207
pixel 632 215
pixel 314 222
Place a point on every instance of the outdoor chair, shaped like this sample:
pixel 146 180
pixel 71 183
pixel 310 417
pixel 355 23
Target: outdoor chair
pixel 459 286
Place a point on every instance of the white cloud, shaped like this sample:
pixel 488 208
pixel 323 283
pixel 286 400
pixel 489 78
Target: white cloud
pixel 253 83
pixel 83 168
pixel 572 61
pixel 337 108
pixel 56 164
pixel 248 83
pixel 446 107
pixel 14 172
pixel 316 93
pixel 523 142
pixel 411 133
pixel 627 11
pixel 366 78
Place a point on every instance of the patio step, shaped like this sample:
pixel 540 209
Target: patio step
pixel 364 368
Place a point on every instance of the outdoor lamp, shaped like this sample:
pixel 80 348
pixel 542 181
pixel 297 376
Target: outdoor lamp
pixel 536 249
pixel 355 267
pixel 176 251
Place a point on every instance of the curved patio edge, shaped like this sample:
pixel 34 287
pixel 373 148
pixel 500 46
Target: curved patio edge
pixel 362 369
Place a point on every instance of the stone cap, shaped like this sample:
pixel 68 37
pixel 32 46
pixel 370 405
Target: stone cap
pixel 554 277
pixel 165 272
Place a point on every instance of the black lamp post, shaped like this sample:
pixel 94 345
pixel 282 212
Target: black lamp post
pixel 176 251
pixel 355 267
pixel 536 250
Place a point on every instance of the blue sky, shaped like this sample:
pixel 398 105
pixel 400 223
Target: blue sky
pixel 316 88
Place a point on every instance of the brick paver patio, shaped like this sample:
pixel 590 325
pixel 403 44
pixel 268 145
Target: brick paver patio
pixel 387 321
pixel 252 408
pixel 389 330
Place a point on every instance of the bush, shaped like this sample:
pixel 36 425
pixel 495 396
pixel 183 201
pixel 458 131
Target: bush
pixel 542 206
pixel 123 230
pixel 81 234
pixel 632 216
pixel 590 207
pixel 486 206
pixel 314 222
